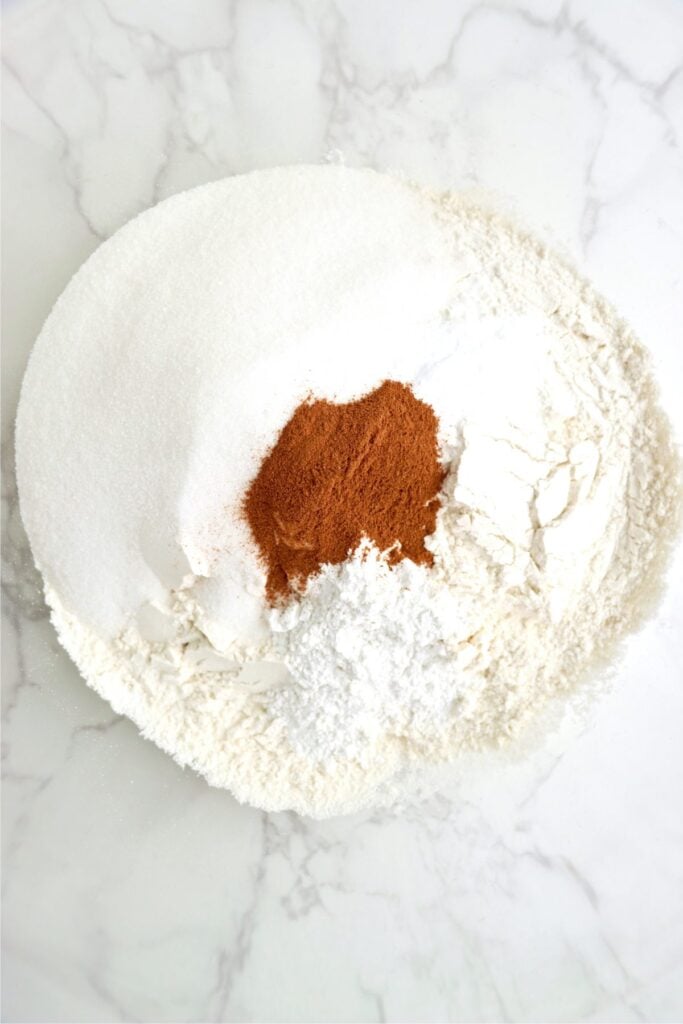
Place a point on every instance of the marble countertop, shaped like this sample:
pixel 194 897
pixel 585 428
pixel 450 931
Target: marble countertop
pixel 132 891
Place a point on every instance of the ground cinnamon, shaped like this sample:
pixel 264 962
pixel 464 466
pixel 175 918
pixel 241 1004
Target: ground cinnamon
pixel 339 472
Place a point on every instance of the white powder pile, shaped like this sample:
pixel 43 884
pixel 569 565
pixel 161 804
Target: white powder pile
pixel 166 372
pixel 350 688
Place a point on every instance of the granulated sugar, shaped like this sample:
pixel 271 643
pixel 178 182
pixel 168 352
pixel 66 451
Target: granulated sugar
pixel 559 503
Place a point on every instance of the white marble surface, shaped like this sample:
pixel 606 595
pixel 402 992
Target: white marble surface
pixel 133 892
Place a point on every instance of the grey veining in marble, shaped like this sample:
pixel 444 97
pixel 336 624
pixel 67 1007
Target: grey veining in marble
pixel 132 891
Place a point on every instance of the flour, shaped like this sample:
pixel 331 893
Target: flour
pixel 525 578
pixel 558 508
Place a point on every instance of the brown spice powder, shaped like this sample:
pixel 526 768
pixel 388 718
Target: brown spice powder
pixel 339 472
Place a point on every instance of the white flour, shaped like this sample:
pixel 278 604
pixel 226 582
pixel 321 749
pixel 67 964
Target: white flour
pixel 527 576
pixel 561 497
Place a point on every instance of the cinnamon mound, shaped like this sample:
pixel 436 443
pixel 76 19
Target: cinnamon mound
pixel 339 472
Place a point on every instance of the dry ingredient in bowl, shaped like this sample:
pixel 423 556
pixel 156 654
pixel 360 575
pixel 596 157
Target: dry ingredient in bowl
pixel 339 473
pixel 297 674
